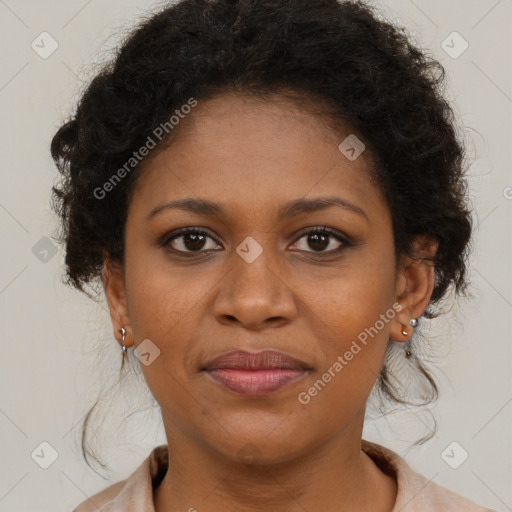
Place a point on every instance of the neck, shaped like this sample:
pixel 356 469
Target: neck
pixel 337 475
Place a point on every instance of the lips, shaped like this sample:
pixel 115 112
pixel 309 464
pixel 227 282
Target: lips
pixel 264 360
pixel 255 374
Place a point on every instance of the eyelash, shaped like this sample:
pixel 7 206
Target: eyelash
pixel 167 239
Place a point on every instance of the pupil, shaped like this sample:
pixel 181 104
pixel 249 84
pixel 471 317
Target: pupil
pixel 315 240
pixel 197 241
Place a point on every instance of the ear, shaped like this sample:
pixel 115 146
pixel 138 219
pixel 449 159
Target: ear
pixel 113 284
pixel 414 286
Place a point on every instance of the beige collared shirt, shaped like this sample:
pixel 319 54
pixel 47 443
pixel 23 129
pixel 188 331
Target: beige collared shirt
pixel 415 492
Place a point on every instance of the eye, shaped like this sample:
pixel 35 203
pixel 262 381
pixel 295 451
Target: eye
pixel 195 240
pixel 189 240
pixel 321 238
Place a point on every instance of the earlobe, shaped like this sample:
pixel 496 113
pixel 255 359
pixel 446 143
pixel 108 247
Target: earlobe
pixel 113 285
pixel 414 287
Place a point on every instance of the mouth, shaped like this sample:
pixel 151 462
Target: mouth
pixel 256 374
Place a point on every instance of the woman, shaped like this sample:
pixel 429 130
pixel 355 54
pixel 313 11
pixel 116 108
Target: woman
pixel 273 196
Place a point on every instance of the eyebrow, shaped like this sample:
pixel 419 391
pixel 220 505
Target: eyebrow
pixel 290 209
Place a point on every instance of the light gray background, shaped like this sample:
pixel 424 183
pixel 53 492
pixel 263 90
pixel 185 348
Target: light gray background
pixel 50 370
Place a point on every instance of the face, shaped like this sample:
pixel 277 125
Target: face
pixel 258 276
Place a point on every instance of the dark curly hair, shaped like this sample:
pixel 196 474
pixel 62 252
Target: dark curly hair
pixel 363 70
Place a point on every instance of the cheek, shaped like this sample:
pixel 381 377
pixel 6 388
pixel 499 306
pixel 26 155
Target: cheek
pixel 164 307
pixel 161 296
pixel 353 351
pixel 352 315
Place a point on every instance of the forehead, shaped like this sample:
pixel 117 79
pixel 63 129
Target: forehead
pixel 241 150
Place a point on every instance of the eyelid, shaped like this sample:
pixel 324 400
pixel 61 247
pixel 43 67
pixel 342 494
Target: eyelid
pixel 340 237
pixel 168 237
pixel 325 229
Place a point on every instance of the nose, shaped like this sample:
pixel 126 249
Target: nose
pixel 255 295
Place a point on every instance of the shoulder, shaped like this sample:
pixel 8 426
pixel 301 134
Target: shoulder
pixel 416 493
pixel 133 493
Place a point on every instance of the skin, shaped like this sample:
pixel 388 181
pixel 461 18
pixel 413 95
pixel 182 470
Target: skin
pixel 253 157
